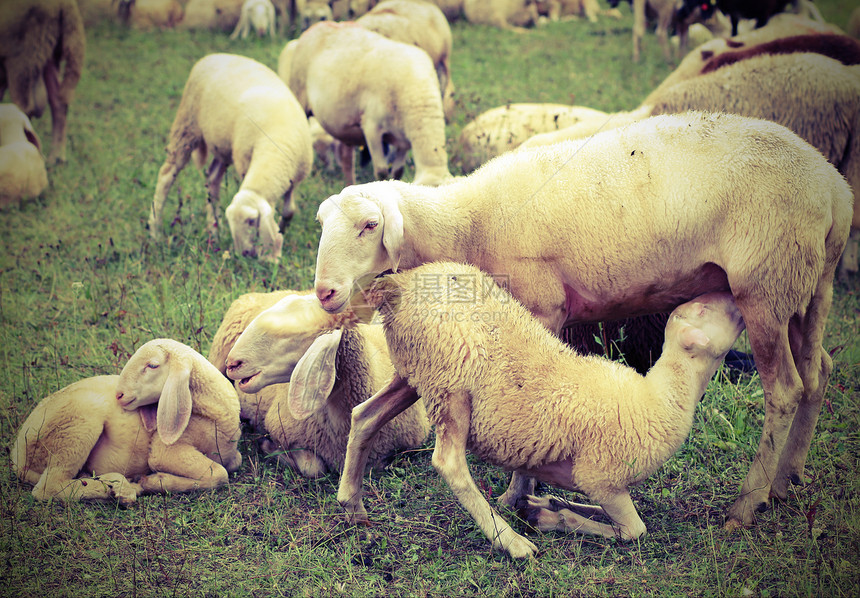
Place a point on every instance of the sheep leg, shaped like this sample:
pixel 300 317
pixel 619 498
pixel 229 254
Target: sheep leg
pixel 55 482
pixel 449 459
pixel 521 485
pixel 367 419
pixel 553 514
pixel 783 387
pixel 638 27
pixel 182 468
pixel 213 193
pixel 288 208
pixel 59 111
pixel 663 24
pixel 814 367
pixel 178 155
pixel 345 157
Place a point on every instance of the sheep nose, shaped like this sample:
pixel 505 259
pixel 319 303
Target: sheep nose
pixel 119 396
pixel 233 364
pixel 324 294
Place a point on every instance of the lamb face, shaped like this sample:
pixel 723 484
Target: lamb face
pixel 143 377
pixel 706 327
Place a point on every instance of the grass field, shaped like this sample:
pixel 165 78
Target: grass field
pixel 82 286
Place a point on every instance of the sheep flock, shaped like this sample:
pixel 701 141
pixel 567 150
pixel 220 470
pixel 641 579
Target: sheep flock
pixel 531 308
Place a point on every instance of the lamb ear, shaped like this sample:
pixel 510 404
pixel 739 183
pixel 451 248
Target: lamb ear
pixel 33 138
pixel 392 233
pixel 314 376
pixel 174 406
pixel 693 337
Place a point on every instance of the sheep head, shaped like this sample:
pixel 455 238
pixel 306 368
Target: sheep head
pixel 253 227
pixel 159 373
pixel 704 328
pixel 362 234
pixel 270 348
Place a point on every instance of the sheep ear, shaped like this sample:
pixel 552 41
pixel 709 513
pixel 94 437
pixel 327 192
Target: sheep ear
pixel 174 406
pixel 693 337
pixel 392 233
pixel 314 375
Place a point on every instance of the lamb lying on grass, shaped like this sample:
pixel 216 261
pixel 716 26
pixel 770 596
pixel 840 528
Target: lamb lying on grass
pixel 495 380
pixel 295 353
pixel 168 423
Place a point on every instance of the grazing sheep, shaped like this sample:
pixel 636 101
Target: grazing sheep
pixel 612 253
pixel 258 15
pixel 366 89
pixel 242 113
pixel 39 39
pixel 503 128
pixel 168 423
pixel 514 15
pixel 295 351
pixel 22 167
pixel 422 24
pixel 498 382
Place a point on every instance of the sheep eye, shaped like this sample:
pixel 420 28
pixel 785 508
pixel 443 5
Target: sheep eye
pixel 370 226
pixel 151 366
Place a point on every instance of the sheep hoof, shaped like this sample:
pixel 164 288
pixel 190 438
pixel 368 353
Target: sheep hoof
pixel 518 547
pixel 733 524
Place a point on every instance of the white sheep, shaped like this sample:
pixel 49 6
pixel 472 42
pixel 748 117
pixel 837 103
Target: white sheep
pixel 422 24
pixel 632 221
pixel 212 15
pixel 155 14
pixel 514 15
pixel 503 128
pixel 819 100
pixel 22 166
pixel 258 15
pixel 495 379
pixel 366 89
pixel 240 112
pixel 310 12
pixel 168 423
pixel 296 351
pixel 39 40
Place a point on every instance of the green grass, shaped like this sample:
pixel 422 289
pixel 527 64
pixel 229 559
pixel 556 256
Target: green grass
pixel 82 286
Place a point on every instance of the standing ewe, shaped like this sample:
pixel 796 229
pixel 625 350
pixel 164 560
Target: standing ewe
pixel 242 113
pixel 258 15
pixel 422 24
pixel 22 167
pixel 295 351
pixel 169 421
pixel 38 39
pixel 494 379
pixel 642 221
pixel 366 89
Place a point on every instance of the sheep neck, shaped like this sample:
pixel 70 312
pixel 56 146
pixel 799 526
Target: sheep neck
pixel 677 383
pixel 434 228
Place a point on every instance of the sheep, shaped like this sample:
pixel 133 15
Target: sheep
pixel 312 12
pixel 169 422
pixel 241 112
pixel 422 24
pixel 155 14
pixel 514 15
pixel 760 10
pixel 494 379
pixel 38 40
pixel 213 15
pixel 452 9
pixel 258 15
pixel 246 307
pixel 642 220
pixel 503 128
pixel 678 13
pixel 368 90
pixel 22 167
pixel 294 350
